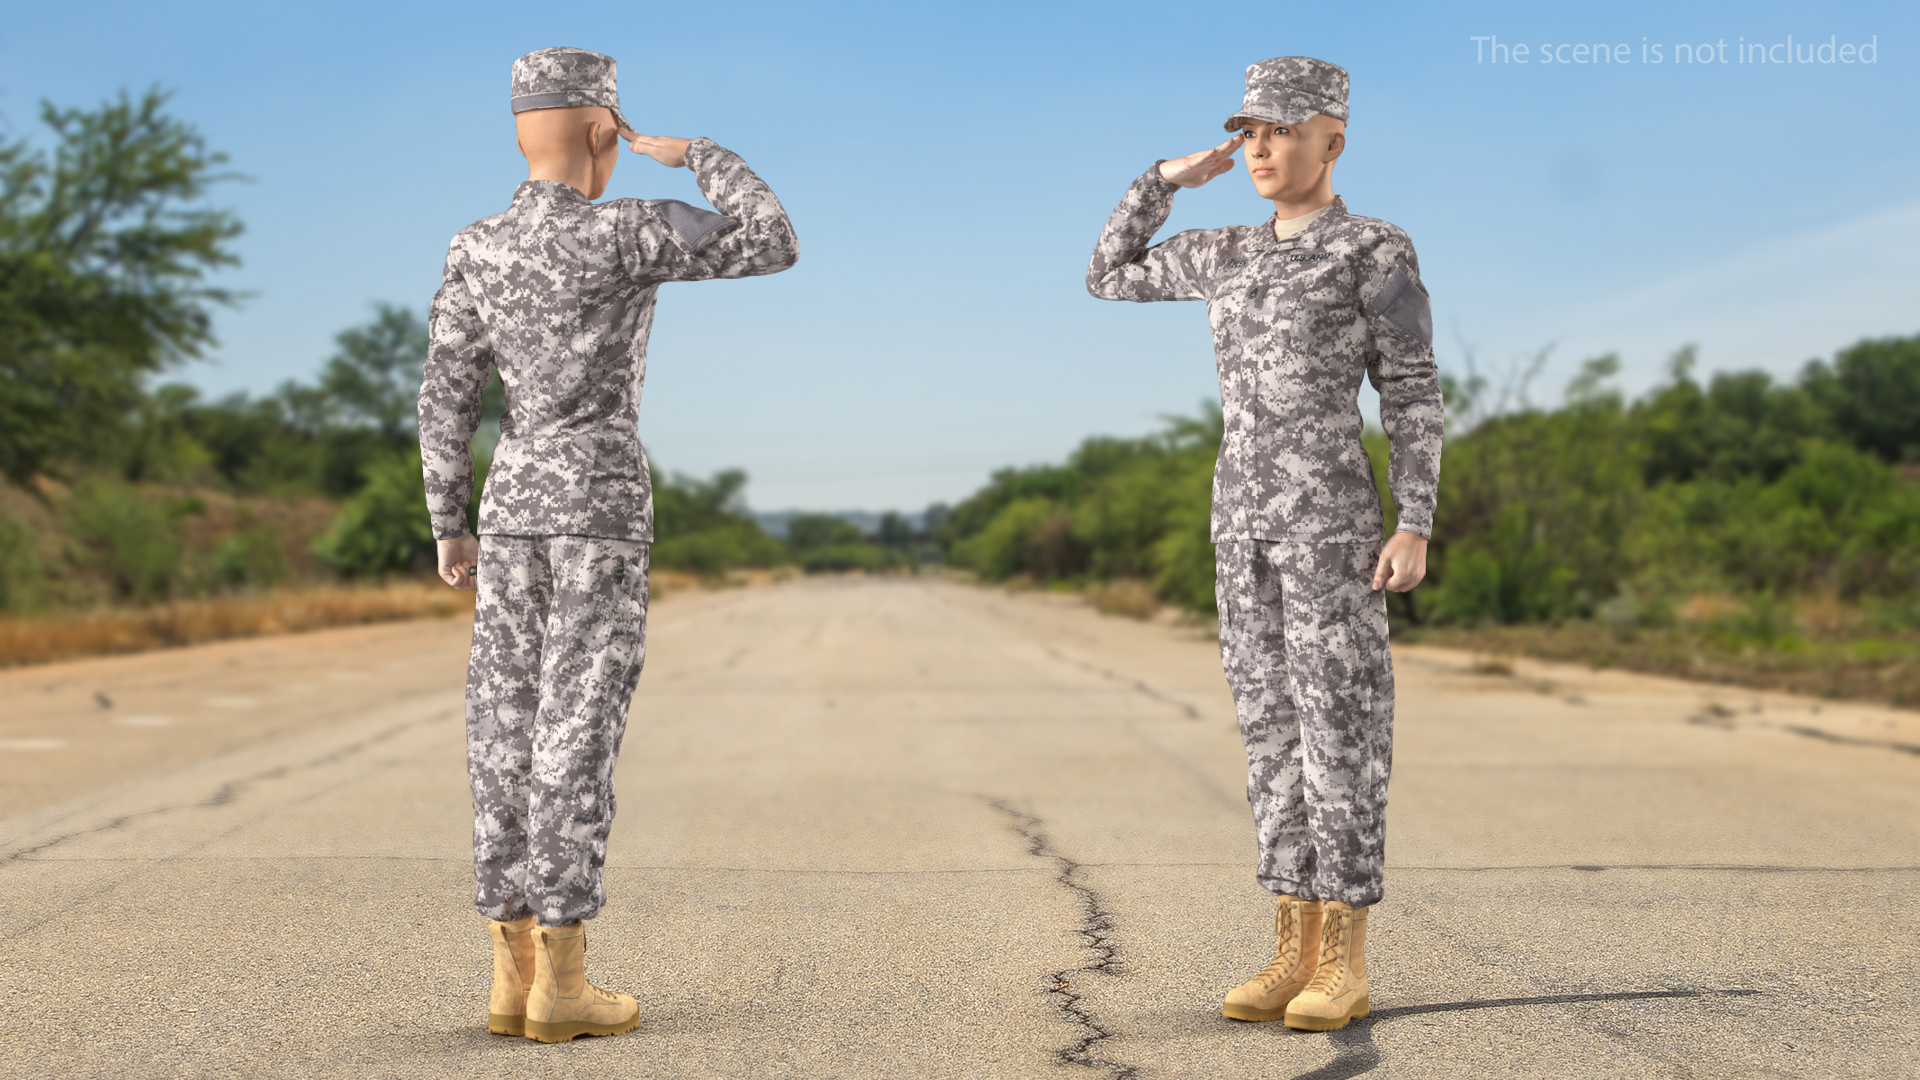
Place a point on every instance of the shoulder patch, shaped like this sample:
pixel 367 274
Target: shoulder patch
pixel 691 224
pixel 1404 303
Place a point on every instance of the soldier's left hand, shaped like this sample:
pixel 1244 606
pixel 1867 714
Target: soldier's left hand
pixel 1403 562
pixel 669 152
pixel 459 560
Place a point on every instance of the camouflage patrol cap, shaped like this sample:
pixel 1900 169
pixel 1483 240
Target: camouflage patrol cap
pixel 1290 89
pixel 566 78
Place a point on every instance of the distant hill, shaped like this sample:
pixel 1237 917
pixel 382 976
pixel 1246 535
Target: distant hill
pixel 867 521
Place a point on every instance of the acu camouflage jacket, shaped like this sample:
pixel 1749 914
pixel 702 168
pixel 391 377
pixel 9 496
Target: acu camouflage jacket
pixel 1295 324
pixel 557 295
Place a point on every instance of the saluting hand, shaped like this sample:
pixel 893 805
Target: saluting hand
pixel 669 152
pixel 1196 169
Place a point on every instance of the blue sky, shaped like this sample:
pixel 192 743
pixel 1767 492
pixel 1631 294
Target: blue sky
pixel 948 168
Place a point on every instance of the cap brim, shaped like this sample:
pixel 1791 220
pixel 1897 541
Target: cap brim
pixel 1237 120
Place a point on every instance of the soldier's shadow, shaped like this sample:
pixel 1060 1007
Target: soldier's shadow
pixel 1357 1054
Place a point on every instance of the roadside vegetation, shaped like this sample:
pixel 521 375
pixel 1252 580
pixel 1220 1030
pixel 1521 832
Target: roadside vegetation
pixel 1742 529
pixel 1738 528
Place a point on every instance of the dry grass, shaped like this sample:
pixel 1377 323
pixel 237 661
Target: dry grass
pixel 46 638
pixel 103 633
pixel 662 582
pixel 1134 599
pixel 1857 662
pixel 1492 665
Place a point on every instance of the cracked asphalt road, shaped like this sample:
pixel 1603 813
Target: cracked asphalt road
pixel 911 828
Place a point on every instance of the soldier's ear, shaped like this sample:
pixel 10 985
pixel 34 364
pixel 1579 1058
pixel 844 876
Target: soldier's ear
pixel 1336 143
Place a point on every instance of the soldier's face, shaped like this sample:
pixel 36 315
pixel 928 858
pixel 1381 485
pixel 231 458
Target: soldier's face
pixel 1287 161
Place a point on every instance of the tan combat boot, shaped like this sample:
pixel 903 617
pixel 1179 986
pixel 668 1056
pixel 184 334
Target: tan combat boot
pixel 1338 992
pixel 512 975
pixel 1264 997
pixel 563 1005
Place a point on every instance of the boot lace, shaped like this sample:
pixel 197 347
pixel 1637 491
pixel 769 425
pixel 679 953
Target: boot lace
pixel 1287 958
pixel 1331 971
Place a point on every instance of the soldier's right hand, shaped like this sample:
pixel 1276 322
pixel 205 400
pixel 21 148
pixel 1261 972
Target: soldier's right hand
pixel 667 151
pixel 1196 169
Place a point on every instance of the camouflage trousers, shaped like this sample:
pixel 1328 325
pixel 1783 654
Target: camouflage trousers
pixel 559 635
pixel 1303 637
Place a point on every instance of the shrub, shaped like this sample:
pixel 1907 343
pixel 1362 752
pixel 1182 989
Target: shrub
pixel 1134 599
pixel 19 566
pixel 1005 547
pixel 384 529
pixel 250 558
pixel 702 526
pixel 712 552
pixel 822 543
pixel 128 538
pixel 837 558
pixel 1184 559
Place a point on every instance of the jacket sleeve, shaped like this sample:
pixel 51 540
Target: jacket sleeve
pixel 459 362
pixel 1125 268
pixel 667 240
pixel 1401 366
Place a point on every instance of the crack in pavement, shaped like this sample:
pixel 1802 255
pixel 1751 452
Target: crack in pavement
pixel 221 796
pixel 1736 868
pixel 1357 1055
pixel 1137 685
pixel 1848 740
pixel 1096 928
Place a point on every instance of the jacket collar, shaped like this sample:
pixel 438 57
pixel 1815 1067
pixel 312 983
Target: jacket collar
pixel 1307 237
pixel 558 190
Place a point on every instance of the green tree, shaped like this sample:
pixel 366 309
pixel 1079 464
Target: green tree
pixel 1533 510
pixel 702 526
pixel 808 531
pixel 104 258
pixel 822 543
pixel 321 438
pixel 1872 391
pixel 1739 424
pixel 373 381
pixel 894 532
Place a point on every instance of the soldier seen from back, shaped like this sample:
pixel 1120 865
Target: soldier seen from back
pixel 556 295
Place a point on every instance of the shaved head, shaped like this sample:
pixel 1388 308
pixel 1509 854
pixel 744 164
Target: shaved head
pixel 578 145
pixel 545 132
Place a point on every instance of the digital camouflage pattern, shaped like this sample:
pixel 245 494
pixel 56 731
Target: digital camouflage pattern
pixel 1303 638
pixel 1296 324
pixel 559 637
pixel 565 79
pixel 557 294
pixel 1290 89
pixel 1296 513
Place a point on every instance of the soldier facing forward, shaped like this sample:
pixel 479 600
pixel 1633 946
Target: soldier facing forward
pixel 557 294
pixel 1301 307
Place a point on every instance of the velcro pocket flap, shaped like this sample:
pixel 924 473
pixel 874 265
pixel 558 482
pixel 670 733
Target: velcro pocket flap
pixel 1404 304
pixel 692 225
